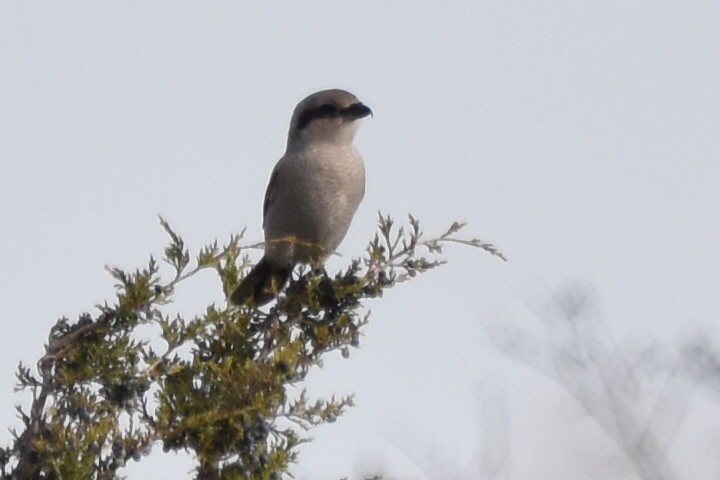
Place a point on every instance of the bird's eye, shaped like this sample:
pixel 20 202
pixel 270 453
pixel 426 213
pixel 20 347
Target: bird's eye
pixel 322 111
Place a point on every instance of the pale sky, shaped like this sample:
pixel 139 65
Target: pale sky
pixel 580 137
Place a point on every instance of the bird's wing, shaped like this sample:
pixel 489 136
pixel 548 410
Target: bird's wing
pixel 271 189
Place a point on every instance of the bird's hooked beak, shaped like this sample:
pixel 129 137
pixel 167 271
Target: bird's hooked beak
pixel 356 111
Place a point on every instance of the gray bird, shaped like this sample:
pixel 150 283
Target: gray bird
pixel 312 195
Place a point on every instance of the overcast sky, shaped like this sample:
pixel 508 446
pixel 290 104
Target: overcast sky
pixel 580 137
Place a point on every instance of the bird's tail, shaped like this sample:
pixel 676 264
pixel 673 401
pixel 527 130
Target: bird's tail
pixel 261 285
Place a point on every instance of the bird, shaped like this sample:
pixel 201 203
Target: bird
pixel 313 193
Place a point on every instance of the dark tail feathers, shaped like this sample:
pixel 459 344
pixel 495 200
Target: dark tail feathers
pixel 261 285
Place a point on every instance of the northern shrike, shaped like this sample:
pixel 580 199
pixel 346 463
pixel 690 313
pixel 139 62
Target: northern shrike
pixel 312 195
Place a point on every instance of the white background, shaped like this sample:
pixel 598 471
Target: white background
pixel 580 137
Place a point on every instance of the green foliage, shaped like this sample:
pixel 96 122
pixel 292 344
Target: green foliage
pixel 218 385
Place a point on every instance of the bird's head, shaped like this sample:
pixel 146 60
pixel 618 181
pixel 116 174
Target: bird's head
pixel 327 116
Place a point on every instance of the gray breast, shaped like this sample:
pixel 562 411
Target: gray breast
pixel 314 198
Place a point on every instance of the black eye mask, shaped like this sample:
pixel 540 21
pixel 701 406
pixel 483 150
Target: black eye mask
pixel 353 112
pixel 321 111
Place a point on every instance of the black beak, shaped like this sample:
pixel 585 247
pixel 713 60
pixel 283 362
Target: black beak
pixel 356 110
